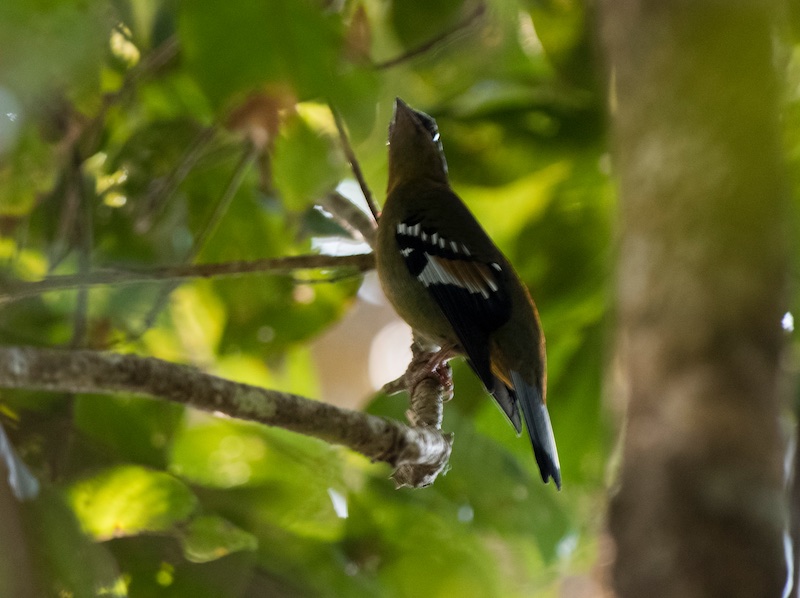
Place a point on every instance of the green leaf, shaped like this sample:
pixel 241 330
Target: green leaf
pixel 209 537
pixel 292 43
pixel 48 45
pixel 418 22
pixel 28 171
pixel 67 562
pixel 128 500
pixel 128 428
pixel 287 478
pixel 302 143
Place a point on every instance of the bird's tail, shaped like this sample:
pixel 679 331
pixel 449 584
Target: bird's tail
pixel 537 420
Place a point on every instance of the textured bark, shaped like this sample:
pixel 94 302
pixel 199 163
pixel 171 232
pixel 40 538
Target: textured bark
pixel 422 453
pixel 699 508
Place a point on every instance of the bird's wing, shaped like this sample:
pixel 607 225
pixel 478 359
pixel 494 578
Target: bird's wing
pixel 469 291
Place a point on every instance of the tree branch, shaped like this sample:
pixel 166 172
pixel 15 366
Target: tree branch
pixel 354 165
pixel 17 289
pixel 350 217
pixel 378 438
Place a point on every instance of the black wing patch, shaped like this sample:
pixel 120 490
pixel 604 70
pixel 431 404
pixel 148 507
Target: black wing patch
pixel 469 292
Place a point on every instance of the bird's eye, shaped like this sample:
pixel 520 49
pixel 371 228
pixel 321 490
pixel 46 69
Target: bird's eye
pixel 429 124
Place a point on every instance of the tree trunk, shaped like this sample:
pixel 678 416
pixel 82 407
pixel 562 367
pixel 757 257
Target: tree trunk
pixel 699 508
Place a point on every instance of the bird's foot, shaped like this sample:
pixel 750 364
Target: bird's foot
pixel 425 365
pixel 431 365
pixel 429 382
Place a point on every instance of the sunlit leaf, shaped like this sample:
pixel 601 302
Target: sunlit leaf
pixel 209 537
pixel 129 500
pixel 303 141
pixel 25 172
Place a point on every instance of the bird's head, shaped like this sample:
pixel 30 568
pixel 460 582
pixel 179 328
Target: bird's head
pixel 415 149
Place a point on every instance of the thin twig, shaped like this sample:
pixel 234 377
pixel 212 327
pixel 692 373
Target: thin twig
pixel 85 244
pixel 237 176
pixel 69 214
pixel 380 439
pixel 350 217
pixel 354 165
pixel 224 202
pixel 279 265
pixel 429 45
pixel 153 61
pixel 161 191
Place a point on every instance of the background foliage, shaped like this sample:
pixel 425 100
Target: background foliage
pixel 152 132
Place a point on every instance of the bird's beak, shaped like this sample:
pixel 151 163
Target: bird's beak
pixel 401 112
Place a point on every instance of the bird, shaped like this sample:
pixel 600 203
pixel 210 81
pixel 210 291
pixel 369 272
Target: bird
pixel 446 278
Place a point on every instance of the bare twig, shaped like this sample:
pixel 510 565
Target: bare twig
pixel 430 44
pixel 354 165
pixel 237 176
pixel 350 216
pixel 279 265
pixel 422 452
pixel 163 189
pixel 85 244
pixel 70 206
pixel 153 61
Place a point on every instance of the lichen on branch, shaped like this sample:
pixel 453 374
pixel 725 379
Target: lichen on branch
pixel 417 454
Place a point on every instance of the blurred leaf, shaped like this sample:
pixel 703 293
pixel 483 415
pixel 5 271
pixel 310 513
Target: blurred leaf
pixel 296 472
pixel 505 211
pixel 68 563
pixel 209 537
pixel 561 27
pixel 131 429
pixel 300 144
pixel 267 47
pixel 417 22
pixel 199 319
pixel 129 500
pixel 156 567
pixel 51 45
pixel 27 171
pixel 386 531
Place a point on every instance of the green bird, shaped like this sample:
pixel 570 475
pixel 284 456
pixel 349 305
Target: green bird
pixel 449 281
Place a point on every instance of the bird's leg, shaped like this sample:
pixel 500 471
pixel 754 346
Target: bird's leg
pixel 429 382
pixel 425 363
pixel 433 364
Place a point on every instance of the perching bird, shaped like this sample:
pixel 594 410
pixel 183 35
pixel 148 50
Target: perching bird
pixel 453 286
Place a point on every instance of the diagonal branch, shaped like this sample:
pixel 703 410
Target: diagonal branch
pixel 19 289
pixel 354 165
pixel 350 217
pixel 436 41
pixel 223 203
pixel 378 438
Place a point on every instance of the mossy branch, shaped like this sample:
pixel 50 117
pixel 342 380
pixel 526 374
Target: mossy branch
pixel 410 450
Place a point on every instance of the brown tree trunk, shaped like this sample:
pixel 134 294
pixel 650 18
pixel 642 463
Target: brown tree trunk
pixel 699 509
